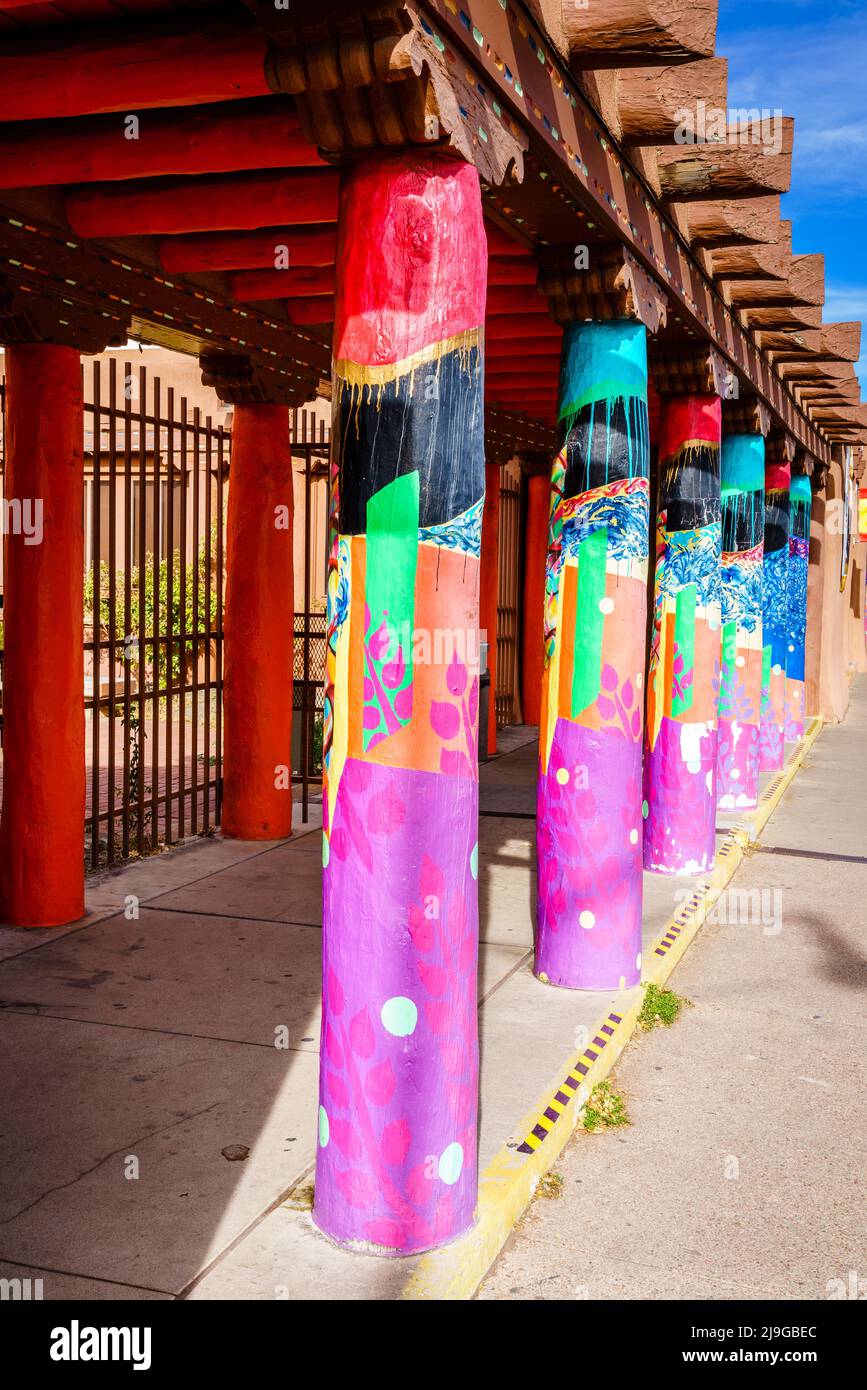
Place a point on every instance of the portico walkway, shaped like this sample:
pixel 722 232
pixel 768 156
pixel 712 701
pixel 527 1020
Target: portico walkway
pixel 140 1057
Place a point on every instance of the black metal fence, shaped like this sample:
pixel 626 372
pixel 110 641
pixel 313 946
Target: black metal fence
pixel 155 492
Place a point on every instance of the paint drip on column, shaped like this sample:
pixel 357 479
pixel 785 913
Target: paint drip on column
pixel 589 894
pixel 800 498
pixel 740 697
pixel 396 1168
pixel 775 616
pixel 683 684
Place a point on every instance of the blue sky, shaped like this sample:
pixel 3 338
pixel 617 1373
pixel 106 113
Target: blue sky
pixel 810 58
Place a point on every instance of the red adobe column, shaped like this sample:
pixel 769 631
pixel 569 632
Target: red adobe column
pixel 489 587
pixel 258 628
pixel 535 560
pixel 42 822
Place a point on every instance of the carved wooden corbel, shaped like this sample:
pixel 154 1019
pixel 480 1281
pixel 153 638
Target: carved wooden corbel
pixel 614 286
pixel 26 317
pixel 238 381
pixel 691 371
pixel 379 79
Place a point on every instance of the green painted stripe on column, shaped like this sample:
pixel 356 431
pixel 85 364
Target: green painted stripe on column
pixel 684 637
pixel 589 620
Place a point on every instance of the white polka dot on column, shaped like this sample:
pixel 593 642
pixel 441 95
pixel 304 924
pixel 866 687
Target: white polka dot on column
pixel 562 775
pixel 587 920
pixel 633 837
pixel 606 605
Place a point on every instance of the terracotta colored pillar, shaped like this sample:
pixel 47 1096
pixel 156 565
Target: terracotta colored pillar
pixel 742 475
pixel 799 547
pixel 588 827
pixel 258 628
pixel 42 824
pixel 490 588
pixel 683 684
pixel 533 629
pixel 396 1165
pixel 775 626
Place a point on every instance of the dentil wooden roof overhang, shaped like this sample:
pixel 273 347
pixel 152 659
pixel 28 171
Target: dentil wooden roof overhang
pixel 155 153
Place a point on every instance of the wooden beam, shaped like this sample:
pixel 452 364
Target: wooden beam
pixel 309 310
pixel 751 261
pixel 518 299
pixel 214 139
pixel 804 284
pixel 83 70
pixel 741 167
pixel 619 33
pixel 512 270
pixel 297 282
pixel 649 100
pixel 731 221
pixel 213 203
pixel 259 250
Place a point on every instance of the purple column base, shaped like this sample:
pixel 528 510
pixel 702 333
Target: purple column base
pixel 680 793
pixel 737 766
pixel 588 833
pixel 396 1165
pixel 772 749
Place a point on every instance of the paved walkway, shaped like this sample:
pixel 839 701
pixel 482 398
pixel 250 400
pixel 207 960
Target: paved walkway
pixel 160 1138
pixel 741 1175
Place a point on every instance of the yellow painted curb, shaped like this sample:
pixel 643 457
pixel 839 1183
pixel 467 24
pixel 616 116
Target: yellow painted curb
pixel 507 1185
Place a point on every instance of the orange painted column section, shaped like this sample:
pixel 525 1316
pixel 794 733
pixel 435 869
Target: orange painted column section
pixel 535 557
pixel 42 821
pixel 489 571
pixel 258 628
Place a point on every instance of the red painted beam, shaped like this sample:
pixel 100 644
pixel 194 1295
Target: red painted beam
pixel 319 309
pixel 512 270
pixel 249 250
pixel 520 381
pixel 501 244
pixel 84 70
pixel 276 284
pixel 507 348
pixel 205 140
pixel 522 327
pixel 517 299
pixel 214 203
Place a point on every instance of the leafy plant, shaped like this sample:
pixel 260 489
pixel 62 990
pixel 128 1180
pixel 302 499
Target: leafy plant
pixel 660 1007
pixel 152 616
pixel 606 1109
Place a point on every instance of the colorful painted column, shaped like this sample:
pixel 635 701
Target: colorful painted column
pixel 396 1165
pixel 775 618
pixel 490 590
pixel 588 829
pixel 259 627
pixel 42 824
pixel 800 496
pixel 532 636
pixel 742 473
pixel 683 684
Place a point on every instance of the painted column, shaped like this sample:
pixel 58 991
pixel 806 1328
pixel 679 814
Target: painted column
pixel 396 1166
pixel 533 634
pixel 683 684
pixel 588 915
pixel 775 623
pixel 259 625
pixel 742 472
pixel 42 824
pixel 489 589
pixel 800 496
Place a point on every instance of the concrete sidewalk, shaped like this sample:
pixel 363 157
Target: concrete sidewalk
pixel 741 1175
pixel 160 1139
